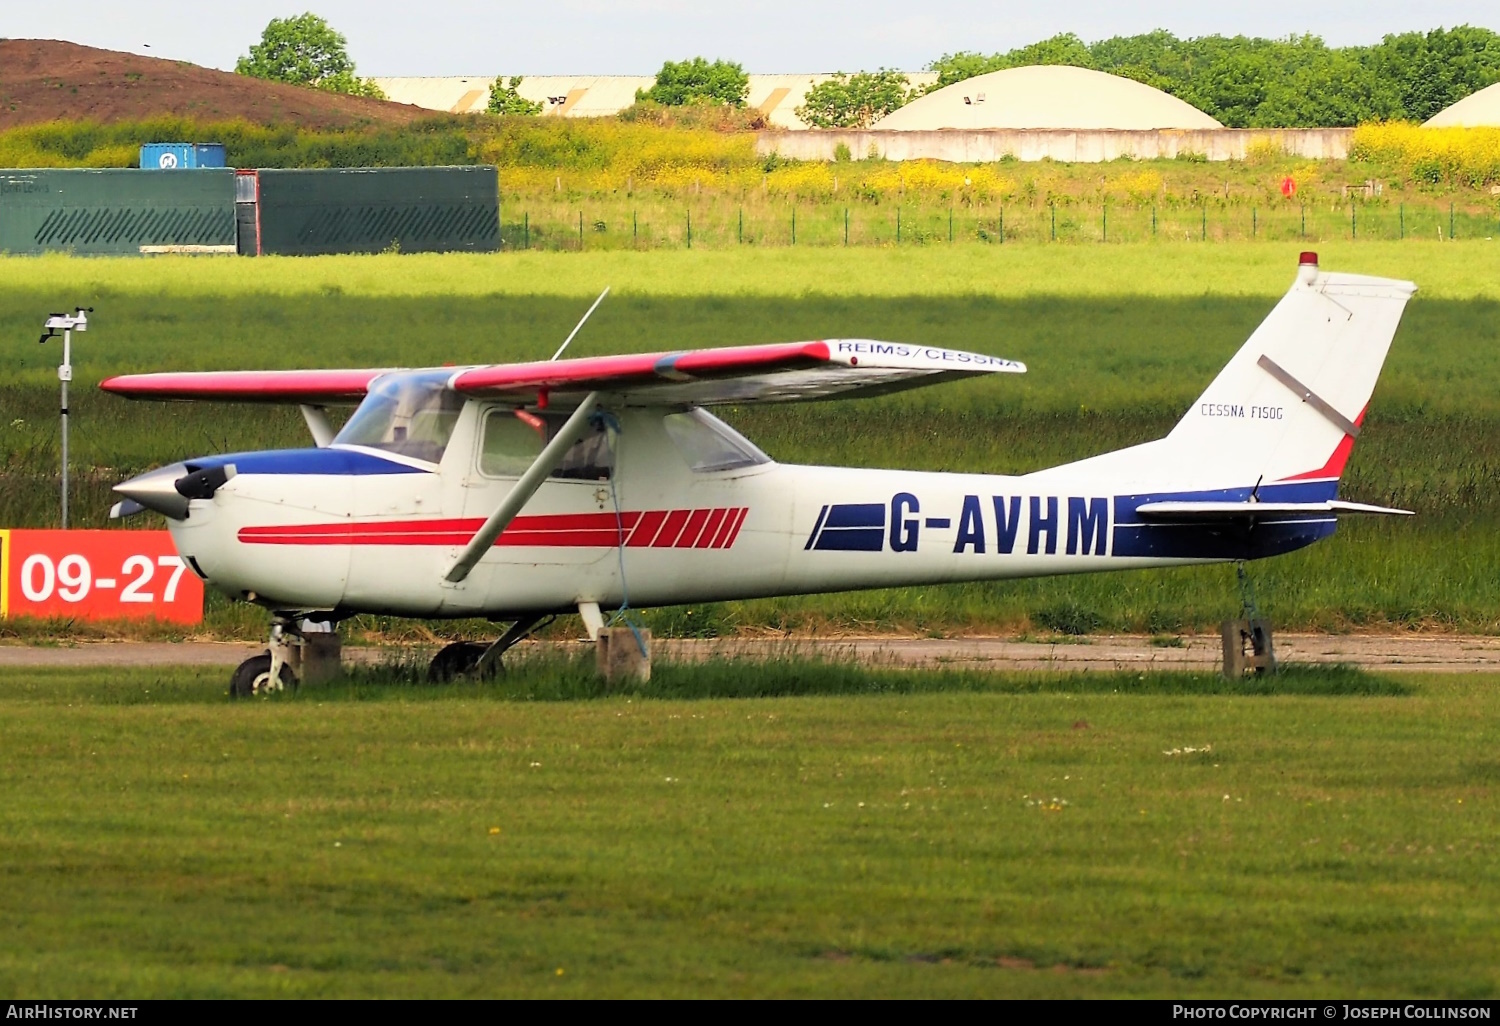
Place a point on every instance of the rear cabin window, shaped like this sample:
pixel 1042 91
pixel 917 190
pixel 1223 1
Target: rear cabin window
pixel 707 443
pixel 511 444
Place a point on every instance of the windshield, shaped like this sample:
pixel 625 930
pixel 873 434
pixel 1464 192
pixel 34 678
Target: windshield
pixel 406 414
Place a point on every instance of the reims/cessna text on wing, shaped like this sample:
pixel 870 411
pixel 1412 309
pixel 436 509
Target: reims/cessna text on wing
pixel 517 491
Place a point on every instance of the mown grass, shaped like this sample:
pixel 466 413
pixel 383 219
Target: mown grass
pixel 1118 343
pixel 551 676
pixel 159 840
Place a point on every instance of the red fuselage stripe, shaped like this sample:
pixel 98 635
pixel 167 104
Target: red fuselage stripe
pixel 711 529
pixel 566 530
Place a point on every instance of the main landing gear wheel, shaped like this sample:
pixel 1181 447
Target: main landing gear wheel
pixel 458 660
pixel 253 677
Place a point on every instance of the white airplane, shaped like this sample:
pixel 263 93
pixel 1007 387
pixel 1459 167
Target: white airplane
pixel 516 491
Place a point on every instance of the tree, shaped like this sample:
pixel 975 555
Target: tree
pixel 1430 71
pixel 855 101
pixel 1063 48
pixel 697 81
pixel 305 51
pixel 1295 82
pixel 505 100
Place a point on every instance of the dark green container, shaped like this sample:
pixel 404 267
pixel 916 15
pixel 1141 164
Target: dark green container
pixel 116 210
pixel 370 210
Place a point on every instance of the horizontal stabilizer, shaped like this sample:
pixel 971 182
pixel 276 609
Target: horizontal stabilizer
pixel 1226 512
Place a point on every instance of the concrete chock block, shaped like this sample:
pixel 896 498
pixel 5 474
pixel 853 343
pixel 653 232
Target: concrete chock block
pixel 619 656
pixel 322 657
pixel 1247 647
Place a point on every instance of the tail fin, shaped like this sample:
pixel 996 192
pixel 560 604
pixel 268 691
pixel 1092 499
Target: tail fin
pixel 1287 407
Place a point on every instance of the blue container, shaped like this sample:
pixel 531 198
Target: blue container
pixel 175 156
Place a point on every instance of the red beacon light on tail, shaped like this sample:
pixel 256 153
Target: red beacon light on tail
pixel 1307 267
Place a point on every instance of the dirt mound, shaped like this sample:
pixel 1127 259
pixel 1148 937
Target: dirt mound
pixel 49 80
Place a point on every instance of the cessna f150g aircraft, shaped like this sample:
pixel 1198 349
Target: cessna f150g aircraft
pixel 516 491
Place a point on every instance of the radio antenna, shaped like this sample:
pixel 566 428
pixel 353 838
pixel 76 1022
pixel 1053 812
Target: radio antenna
pixel 581 323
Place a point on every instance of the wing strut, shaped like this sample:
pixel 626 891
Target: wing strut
pixel 571 431
pixel 317 422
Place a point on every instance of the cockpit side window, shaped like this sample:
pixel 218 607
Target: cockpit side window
pixel 588 459
pixel 510 444
pixel 707 443
pixel 406 414
pixel 513 440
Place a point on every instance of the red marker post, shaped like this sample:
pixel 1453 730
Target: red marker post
pixel 97 575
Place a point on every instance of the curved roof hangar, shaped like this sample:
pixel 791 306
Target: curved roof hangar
pixel 1047 96
pixel 1473 111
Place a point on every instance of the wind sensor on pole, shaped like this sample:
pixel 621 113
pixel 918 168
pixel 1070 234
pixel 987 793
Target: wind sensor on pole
pixel 78 320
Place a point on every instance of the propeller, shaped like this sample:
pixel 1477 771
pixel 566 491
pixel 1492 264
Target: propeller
pixel 168 490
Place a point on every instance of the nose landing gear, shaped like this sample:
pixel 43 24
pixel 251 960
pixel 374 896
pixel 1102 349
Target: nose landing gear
pixel 296 649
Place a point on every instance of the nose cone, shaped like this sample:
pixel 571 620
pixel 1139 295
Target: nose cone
pixel 156 490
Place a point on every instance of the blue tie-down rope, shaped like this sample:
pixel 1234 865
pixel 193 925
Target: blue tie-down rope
pixel 611 425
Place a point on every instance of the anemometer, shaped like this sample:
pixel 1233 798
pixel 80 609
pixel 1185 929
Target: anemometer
pixel 78 320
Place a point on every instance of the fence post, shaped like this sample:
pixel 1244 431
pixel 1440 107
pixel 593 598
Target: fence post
pixel 741 237
pixel 794 224
pixel 1105 208
pixel 1002 226
pixel 635 228
pixel 1353 221
pixel 846 226
pixel 526 230
pixel 1451 235
pixel 950 224
pixel 898 225
pixel 1254 222
pixel 1153 220
pixel 1304 220
pixel 580 231
pixel 1054 220
pixel 1204 236
pixel 690 228
pixel 1402 210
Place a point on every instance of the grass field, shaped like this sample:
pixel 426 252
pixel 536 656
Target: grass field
pixel 1119 340
pixel 595 221
pixel 870 833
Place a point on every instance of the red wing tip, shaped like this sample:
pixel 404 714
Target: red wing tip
pixel 1308 258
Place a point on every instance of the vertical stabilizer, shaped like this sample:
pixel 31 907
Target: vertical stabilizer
pixel 1288 406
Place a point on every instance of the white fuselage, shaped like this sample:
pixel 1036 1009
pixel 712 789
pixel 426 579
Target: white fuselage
pixel 659 533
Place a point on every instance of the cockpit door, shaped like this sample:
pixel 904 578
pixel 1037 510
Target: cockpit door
pixel 570 521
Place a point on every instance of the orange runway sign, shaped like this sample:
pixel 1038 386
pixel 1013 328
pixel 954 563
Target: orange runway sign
pixel 97 575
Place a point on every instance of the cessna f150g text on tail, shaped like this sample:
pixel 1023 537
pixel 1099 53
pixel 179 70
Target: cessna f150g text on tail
pixel 517 491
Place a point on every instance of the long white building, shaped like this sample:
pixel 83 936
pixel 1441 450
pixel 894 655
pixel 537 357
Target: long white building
pixel 593 96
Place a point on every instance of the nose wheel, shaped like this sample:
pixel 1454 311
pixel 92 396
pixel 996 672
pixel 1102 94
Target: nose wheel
pixel 253 678
pixel 276 669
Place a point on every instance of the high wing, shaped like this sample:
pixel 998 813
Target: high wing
pixel 314 387
pixel 786 372
pixel 781 372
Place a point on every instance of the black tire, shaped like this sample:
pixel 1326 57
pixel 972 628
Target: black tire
pixel 253 675
pixel 458 660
